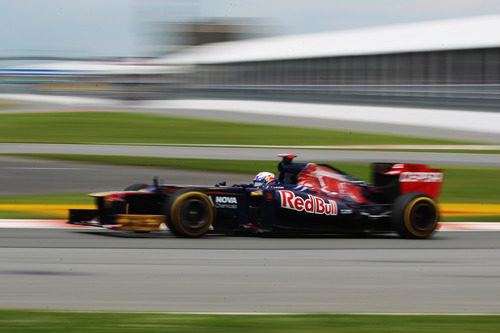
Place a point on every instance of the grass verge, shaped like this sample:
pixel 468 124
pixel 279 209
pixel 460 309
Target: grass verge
pixel 81 198
pixel 4 105
pixel 45 206
pixel 123 128
pixel 88 322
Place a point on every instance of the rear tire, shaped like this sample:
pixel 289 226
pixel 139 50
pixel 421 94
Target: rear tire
pixel 189 213
pixel 415 215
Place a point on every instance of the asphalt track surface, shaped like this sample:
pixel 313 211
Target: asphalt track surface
pixel 31 176
pixel 486 160
pixel 453 272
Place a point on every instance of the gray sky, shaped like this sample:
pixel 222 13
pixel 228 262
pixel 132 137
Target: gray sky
pixel 123 27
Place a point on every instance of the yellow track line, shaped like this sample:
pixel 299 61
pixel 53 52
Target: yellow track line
pixel 60 210
pixel 447 209
pixel 455 209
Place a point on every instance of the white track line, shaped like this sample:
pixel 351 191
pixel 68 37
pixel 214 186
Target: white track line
pixel 469 226
pixel 37 224
pixel 365 147
pixel 61 224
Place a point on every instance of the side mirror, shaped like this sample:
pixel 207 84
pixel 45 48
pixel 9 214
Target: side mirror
pixel 156 184
pixel 222 183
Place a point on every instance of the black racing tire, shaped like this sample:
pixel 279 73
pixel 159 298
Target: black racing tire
pixel 415 215
pixel 136 187
pixel 189 213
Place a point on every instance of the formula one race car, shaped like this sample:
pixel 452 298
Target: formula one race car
pixel 306 198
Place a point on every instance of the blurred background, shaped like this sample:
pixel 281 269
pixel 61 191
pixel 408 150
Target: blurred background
pixel 439 54
pixel 233 59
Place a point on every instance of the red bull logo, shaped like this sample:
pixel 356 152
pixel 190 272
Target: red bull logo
pixel 312 205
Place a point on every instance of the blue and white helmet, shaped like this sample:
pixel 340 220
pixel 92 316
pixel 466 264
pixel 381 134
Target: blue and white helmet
pixel 263 178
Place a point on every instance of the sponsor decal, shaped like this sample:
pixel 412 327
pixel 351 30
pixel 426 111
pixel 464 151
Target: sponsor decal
pixel 425 177
pixel 231 200
pixel 226 202
pixel 312 205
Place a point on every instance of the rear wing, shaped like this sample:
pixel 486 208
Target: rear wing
pixel 400 178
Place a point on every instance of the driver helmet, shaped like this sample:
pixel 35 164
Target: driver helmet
pixel 263 178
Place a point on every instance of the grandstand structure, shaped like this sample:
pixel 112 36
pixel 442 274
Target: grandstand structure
pixel 449 63
pixel 439 64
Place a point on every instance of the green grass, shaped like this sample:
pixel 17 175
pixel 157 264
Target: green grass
pixel 4 104
pixel 53 322
pixel 82 198
pixel 471 185
pixel 69 199
pixel 119 128
pixel 9 214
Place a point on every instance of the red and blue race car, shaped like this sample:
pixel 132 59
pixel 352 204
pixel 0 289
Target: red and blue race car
pixel 306 198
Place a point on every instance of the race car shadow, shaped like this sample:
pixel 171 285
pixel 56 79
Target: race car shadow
pixel 128 234
pixel 213 235
pixel 330 236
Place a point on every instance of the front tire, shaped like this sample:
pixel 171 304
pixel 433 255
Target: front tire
pixel 415 215
pixel 189 213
